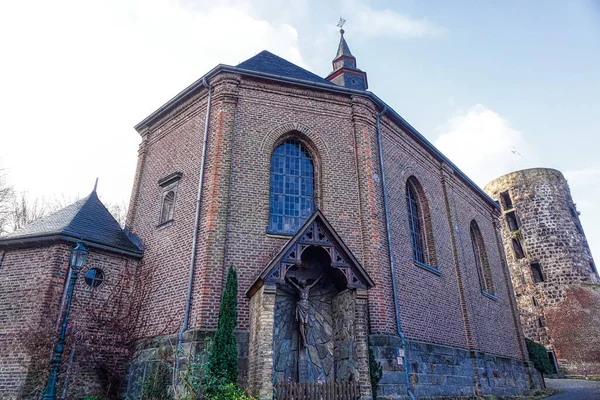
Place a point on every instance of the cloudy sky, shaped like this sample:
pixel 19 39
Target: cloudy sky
pixel 496 85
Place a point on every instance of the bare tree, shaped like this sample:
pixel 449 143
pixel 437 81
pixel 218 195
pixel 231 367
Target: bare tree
pixel 117 324
pixel 6 196
pixel 26 210
pixel 119 211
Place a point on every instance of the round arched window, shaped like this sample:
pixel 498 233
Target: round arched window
pixel 94 277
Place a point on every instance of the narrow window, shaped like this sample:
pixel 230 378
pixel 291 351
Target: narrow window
pixel 536 272
pixel 421 234
pixel 517 249
pixel 506 201
pixel 292 187
pixel 169 185
pixel 168 207
pixel 534 301
pixel 540 323
pixel 481 260
pixel 593 267
pixel 511 218
pixel 552 358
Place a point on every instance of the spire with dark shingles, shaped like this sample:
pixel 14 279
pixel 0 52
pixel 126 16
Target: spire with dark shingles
pixel 345 73
pixel 343 49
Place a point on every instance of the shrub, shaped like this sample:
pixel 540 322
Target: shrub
pixel 229 392
pixel 375 371
pixel 223 359
pixel 539 357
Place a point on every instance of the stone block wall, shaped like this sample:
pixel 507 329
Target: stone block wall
pixel 437 371
pixel 539 214
pixel 154 358
pixel 260 374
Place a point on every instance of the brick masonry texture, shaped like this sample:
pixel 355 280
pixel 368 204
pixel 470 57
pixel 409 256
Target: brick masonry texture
pixel 248 119
pixel 563 311
pixel 441 306
pixel 30 303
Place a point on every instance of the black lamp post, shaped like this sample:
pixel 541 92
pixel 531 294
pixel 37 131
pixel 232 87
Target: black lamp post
pixel 78 256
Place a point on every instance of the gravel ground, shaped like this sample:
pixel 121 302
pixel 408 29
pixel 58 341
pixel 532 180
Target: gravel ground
pixel 574 389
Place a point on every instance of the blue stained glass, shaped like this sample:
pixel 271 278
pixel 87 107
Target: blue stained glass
pixel 292 187
pixel 277 164
pixel 414 220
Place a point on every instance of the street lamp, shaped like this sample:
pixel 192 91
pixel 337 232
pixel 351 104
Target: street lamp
pixel 78 256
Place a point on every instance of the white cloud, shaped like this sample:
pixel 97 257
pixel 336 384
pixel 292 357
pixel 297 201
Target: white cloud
pixel 76 76
pixel 484 145
pixel 387 23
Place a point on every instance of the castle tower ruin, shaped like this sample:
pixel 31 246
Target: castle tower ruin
pixel 553 273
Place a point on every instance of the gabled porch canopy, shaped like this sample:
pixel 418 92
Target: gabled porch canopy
pixel 316 231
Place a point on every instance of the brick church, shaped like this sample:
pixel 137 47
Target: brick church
pixel 348 230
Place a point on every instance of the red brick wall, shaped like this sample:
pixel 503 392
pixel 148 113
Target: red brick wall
pixel 248 119
pixel 31 286
pixel 30 280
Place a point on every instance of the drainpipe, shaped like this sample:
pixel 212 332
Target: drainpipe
pixel 188 300
pixel 391 253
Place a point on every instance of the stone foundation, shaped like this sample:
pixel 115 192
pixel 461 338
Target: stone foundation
pixel 154 353
pixel 437 371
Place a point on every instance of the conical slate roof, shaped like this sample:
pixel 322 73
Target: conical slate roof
pixel 343 49
pixel 87 220
pixel 268 62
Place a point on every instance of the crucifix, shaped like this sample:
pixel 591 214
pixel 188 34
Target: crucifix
pixel 341 23
pixel 302 304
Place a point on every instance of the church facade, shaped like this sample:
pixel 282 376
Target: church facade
pixel 349 231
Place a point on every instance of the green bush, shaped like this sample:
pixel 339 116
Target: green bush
pixel 539 357
pixel 229 392
pixel 223 359
pixel 375 371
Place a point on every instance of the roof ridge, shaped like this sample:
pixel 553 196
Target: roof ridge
pixel 268 62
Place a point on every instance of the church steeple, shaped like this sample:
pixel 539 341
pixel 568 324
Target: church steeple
pixel 344 71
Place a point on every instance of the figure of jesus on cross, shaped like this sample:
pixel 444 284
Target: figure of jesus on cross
pixel 302 305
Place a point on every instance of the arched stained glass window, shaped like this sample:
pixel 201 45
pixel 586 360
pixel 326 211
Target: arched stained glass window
pixel 421 232
pixel 292 187
pixel 481 260
pixel 416 226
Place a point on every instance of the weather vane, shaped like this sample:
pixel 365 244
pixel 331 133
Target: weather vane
pixel 341 23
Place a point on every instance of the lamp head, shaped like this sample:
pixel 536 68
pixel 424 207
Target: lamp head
pixel 79 255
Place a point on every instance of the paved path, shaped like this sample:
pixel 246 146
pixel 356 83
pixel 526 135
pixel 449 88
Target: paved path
pixel 574 389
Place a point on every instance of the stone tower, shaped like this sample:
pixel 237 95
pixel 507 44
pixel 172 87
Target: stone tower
pixel 553 274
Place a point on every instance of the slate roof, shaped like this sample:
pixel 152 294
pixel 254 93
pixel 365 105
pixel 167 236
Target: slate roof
pixel 343 49
pixel 268 62
pixel 87 220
